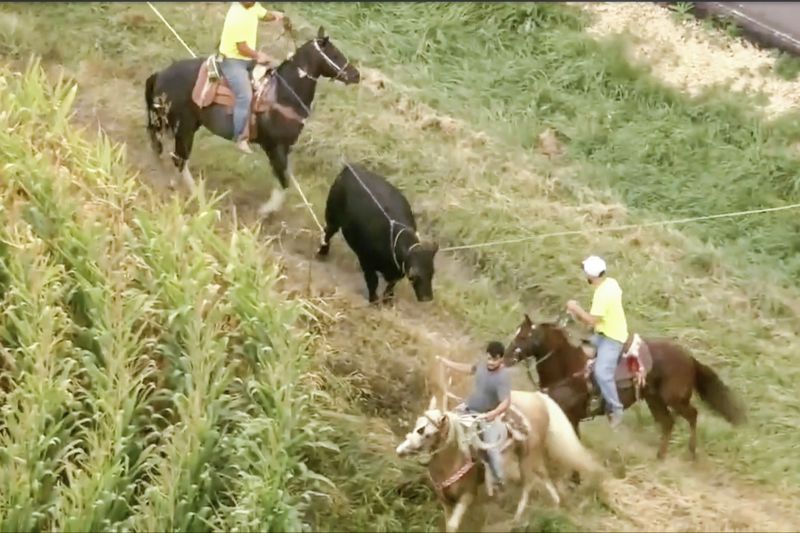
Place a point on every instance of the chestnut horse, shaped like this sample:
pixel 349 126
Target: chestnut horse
pixel 675 374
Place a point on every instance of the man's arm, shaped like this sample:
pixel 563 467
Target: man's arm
pixel 578 312
pixel 273 16
pixel 499 410
pixel 464 368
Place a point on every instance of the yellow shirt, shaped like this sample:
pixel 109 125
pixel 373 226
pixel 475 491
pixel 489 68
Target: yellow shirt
pixel 607 304
pixel 240 25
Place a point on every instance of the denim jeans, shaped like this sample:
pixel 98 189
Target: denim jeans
pixel 235 72
pixel 491 433
pixel 605 365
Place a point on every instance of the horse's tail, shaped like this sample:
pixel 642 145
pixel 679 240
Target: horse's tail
pixel 717 395
pixel 149 99
pixel 563 444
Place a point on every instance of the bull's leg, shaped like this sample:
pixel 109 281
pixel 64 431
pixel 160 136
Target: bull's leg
pixel 388 293
pixel 279 160
pixel 371 277
pixel 331 227
pixel 458 512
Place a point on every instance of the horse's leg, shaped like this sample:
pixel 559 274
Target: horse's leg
pixel 687 411
pixel 278 155
pixel 539 466
pixel 184 139
pixel 458 512
pixel 663 417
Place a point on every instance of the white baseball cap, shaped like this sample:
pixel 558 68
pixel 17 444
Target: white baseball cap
pixel 594 266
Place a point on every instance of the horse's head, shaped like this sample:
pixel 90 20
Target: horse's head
pixel 427 432
pixel 324 59
pixel 533 340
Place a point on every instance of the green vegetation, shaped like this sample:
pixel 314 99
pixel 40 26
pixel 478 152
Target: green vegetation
pixel 238 389
pixel 154 377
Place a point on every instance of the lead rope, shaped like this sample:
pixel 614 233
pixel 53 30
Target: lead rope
pixel 392 222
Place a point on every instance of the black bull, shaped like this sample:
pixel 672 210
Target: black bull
pixel 378 225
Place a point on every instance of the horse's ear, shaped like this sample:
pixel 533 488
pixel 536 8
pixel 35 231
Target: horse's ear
pixel 432 405
pixel 321 33
pixel 528 321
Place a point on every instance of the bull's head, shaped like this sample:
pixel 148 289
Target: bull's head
pixel 420 269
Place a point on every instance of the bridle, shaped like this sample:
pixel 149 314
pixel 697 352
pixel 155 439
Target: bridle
pixel 303 73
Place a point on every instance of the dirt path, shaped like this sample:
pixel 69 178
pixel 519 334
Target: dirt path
pixel 683 54
pixel 390 350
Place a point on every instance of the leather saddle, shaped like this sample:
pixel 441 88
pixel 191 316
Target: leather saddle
pixel 634 364
pixel 212 88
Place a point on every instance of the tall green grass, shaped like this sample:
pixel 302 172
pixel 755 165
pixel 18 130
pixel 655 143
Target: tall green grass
pixel 156 378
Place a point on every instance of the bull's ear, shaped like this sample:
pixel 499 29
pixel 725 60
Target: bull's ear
pixel 434 247
pixel 528 321
pixel 321 33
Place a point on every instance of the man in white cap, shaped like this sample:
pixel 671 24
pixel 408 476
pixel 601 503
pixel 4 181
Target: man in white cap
pixel 607 318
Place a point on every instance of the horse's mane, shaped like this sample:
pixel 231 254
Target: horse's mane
pixel 290 59
pixel 459 432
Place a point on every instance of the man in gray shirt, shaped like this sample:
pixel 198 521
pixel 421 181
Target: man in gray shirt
pixel 491 397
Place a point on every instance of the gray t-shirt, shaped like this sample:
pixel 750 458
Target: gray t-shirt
pixel 491 388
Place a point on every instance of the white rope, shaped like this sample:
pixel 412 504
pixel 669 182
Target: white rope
pixel 175 33
pixel 296 184
pixel 620 228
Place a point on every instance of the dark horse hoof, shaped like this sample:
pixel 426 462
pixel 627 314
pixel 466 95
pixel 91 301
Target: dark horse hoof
pixel 322 253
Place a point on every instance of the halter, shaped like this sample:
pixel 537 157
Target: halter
pixel 392 223
pixel 330 61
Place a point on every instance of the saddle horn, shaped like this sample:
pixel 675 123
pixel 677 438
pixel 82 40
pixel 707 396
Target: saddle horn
pixel 563 319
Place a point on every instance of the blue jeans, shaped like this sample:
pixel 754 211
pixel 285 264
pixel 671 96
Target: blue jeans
pixel 605 365
pixel 235 72
pixel 491 433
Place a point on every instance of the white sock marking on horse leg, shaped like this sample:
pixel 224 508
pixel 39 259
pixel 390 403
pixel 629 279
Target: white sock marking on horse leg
pixel 274 203
pixel 188 180
pixel 523 500
pixel 552 490
pixel 458 512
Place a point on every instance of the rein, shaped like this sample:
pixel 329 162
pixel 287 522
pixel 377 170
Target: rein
pixel 392 223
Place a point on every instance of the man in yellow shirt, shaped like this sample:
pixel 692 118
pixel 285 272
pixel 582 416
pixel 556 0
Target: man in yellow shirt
pixel 237 46
pixel 607 318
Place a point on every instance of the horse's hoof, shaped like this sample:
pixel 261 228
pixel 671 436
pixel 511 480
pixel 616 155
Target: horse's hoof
pixel 322 253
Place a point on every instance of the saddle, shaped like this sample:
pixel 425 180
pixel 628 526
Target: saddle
pixel 634 363
pixel 212 88
pixel 517 430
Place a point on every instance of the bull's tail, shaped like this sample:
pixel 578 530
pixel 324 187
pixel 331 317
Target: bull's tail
pixel 154 121
pixel 717 395
pixel 563 444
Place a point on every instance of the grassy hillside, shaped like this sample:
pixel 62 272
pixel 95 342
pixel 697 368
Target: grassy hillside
pixel 459 142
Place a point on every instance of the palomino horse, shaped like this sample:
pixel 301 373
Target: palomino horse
pixel 170 107
pixel 668 385
pixel 457 476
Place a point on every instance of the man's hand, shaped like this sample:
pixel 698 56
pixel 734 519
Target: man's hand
pixel 573 307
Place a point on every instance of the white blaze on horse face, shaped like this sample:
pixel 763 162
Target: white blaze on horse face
pixel 420 437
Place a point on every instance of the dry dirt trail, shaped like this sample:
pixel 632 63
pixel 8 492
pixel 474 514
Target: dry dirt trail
pixel 675 495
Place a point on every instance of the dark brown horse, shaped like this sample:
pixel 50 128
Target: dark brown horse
pixel 667 390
